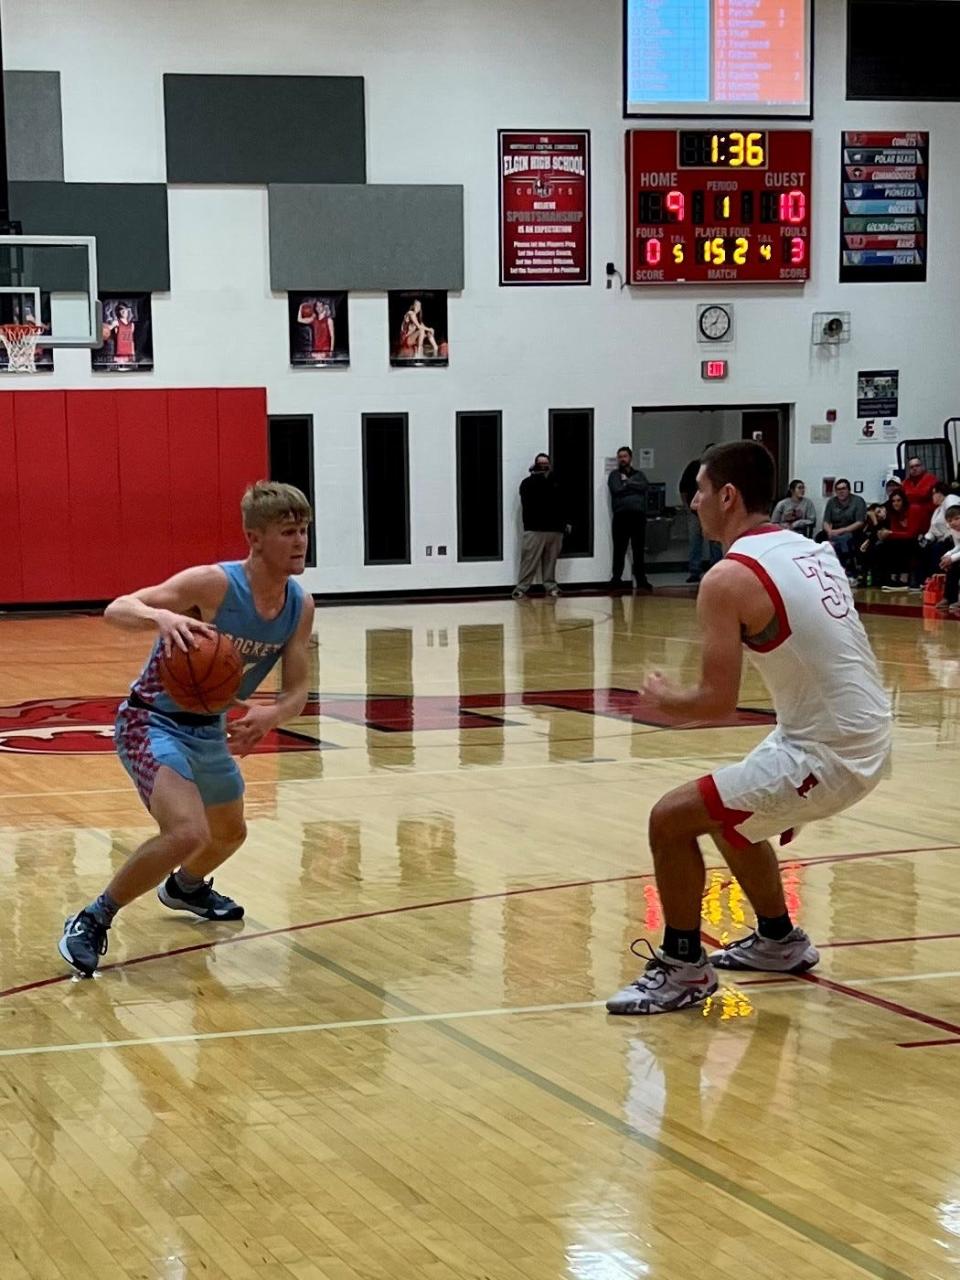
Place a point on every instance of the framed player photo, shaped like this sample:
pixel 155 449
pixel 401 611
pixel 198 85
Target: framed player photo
pixel 127 334
pixel 319 326
pixel 418 328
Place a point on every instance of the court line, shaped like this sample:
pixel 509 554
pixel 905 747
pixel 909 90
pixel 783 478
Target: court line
pixel 925 1044
pixel 867 997
pixel 881 942
pixel 621 1128
pixel 381 912
pixel 301 1028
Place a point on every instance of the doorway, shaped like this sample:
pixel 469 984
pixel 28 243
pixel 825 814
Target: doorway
pixel 666 437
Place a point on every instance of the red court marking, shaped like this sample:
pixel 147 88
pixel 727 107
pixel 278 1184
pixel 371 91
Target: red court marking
pixel 882 942
pixel 924 1044
pixel 889 1005
pixel 425 906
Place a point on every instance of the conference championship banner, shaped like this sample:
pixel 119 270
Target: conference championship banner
pixel 544 207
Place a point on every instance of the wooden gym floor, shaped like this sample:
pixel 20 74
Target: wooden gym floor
pixel 399 1067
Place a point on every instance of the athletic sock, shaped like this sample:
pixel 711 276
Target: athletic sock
pixel 103 909
pixel 775 928
pixel 187 883
pixel 682 944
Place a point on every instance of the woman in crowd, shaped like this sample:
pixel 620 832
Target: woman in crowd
pixel 896 553
pixel 796 511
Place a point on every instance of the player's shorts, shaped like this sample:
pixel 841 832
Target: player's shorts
pixel 782 785
pixel 146 740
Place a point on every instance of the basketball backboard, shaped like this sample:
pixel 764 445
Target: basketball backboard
pixel 51 281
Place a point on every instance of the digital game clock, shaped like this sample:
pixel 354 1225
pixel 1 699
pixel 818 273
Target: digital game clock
pixel 709 206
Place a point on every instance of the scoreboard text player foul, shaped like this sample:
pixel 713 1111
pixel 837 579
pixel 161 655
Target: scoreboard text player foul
pixel 718 206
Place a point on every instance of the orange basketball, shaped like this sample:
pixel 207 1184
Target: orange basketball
pixel 204 679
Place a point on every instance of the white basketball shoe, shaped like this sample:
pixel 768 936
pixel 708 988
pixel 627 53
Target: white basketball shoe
pixel 666 985
pixel 793 954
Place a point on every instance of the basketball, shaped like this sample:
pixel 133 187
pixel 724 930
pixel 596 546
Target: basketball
pixel 204 679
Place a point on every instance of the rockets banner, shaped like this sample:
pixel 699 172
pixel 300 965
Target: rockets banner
pixel 544 207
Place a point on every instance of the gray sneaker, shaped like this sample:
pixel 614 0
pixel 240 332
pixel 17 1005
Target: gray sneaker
pixel 666 985
pixel 794 954
pixel 204 901
pixel 84 941
pixel 518 594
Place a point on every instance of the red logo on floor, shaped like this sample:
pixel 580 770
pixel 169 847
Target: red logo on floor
pixel 84 726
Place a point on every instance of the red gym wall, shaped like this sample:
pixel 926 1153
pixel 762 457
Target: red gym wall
pixel 105 491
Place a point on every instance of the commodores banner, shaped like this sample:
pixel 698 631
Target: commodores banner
pixel 544 207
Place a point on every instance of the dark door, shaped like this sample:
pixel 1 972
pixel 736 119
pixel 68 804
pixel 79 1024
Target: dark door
pixel 769 428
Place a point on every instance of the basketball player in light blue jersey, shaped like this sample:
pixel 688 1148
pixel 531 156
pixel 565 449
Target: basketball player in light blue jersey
pixel 182 763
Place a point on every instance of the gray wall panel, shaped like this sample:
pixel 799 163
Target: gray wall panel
pixel 34 126
pixel 262 129
pixel 128 219
pixel 369 237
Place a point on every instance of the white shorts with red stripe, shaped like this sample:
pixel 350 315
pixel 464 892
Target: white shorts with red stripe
pixel 782 785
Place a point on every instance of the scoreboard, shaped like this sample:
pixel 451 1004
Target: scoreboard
pixel 711 206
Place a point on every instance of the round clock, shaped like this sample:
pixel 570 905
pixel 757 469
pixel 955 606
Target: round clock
pixel 715 322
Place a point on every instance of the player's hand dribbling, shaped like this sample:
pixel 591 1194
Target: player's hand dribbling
pixel 656 687
pixel 244 734
pixel 178 629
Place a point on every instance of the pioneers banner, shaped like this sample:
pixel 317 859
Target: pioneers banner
pixel 544 207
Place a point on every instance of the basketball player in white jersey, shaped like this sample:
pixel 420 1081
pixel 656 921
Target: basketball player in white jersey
pixel 785 600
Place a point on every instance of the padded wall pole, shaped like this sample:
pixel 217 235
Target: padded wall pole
pixel 4 175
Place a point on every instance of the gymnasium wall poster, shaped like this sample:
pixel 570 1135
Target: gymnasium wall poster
pixel 21 312
pixel 418 328
pixel 319 330
pixel 127 334
pixel 878 393
pixel 883 207
pixel 544 207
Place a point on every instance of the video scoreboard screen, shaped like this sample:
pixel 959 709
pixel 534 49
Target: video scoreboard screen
pixel 718 206
pixel 718 57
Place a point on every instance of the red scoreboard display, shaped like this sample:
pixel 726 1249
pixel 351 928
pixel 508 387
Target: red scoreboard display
pixel 709 206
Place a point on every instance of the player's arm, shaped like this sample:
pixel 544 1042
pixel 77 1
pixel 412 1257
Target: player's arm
pixel 718 612
pixel 176 608
pixel 305 314
pixel 245 733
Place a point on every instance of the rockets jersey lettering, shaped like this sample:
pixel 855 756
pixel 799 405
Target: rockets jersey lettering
pixel 815 658
pixel 259 641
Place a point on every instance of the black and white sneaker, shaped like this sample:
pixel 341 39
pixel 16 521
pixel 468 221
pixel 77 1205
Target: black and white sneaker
pixel 203 901
pixel 84 941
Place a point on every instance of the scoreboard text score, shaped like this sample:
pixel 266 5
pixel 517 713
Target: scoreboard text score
pixel 709 206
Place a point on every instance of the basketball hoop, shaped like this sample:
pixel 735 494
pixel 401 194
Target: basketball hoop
pixel 20 343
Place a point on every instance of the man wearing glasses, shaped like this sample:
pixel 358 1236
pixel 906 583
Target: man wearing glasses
pixel 843 518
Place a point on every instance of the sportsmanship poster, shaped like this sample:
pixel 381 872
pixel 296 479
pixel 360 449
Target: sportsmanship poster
pixel 544 207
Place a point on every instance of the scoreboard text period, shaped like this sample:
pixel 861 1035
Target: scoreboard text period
pixel 718 206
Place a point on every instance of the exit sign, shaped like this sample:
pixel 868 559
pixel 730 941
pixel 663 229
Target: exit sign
pixel 713 370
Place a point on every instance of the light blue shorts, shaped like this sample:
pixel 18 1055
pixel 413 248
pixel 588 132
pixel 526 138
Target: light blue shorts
pixel 146 740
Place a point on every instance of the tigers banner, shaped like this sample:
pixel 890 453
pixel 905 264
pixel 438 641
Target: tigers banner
pixel 544 207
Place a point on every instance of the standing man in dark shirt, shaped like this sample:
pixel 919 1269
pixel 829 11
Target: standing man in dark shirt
pixel 698 544
pixel 628 498
pixel 544 524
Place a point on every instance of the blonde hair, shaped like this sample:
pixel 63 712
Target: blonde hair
pixel 268 502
